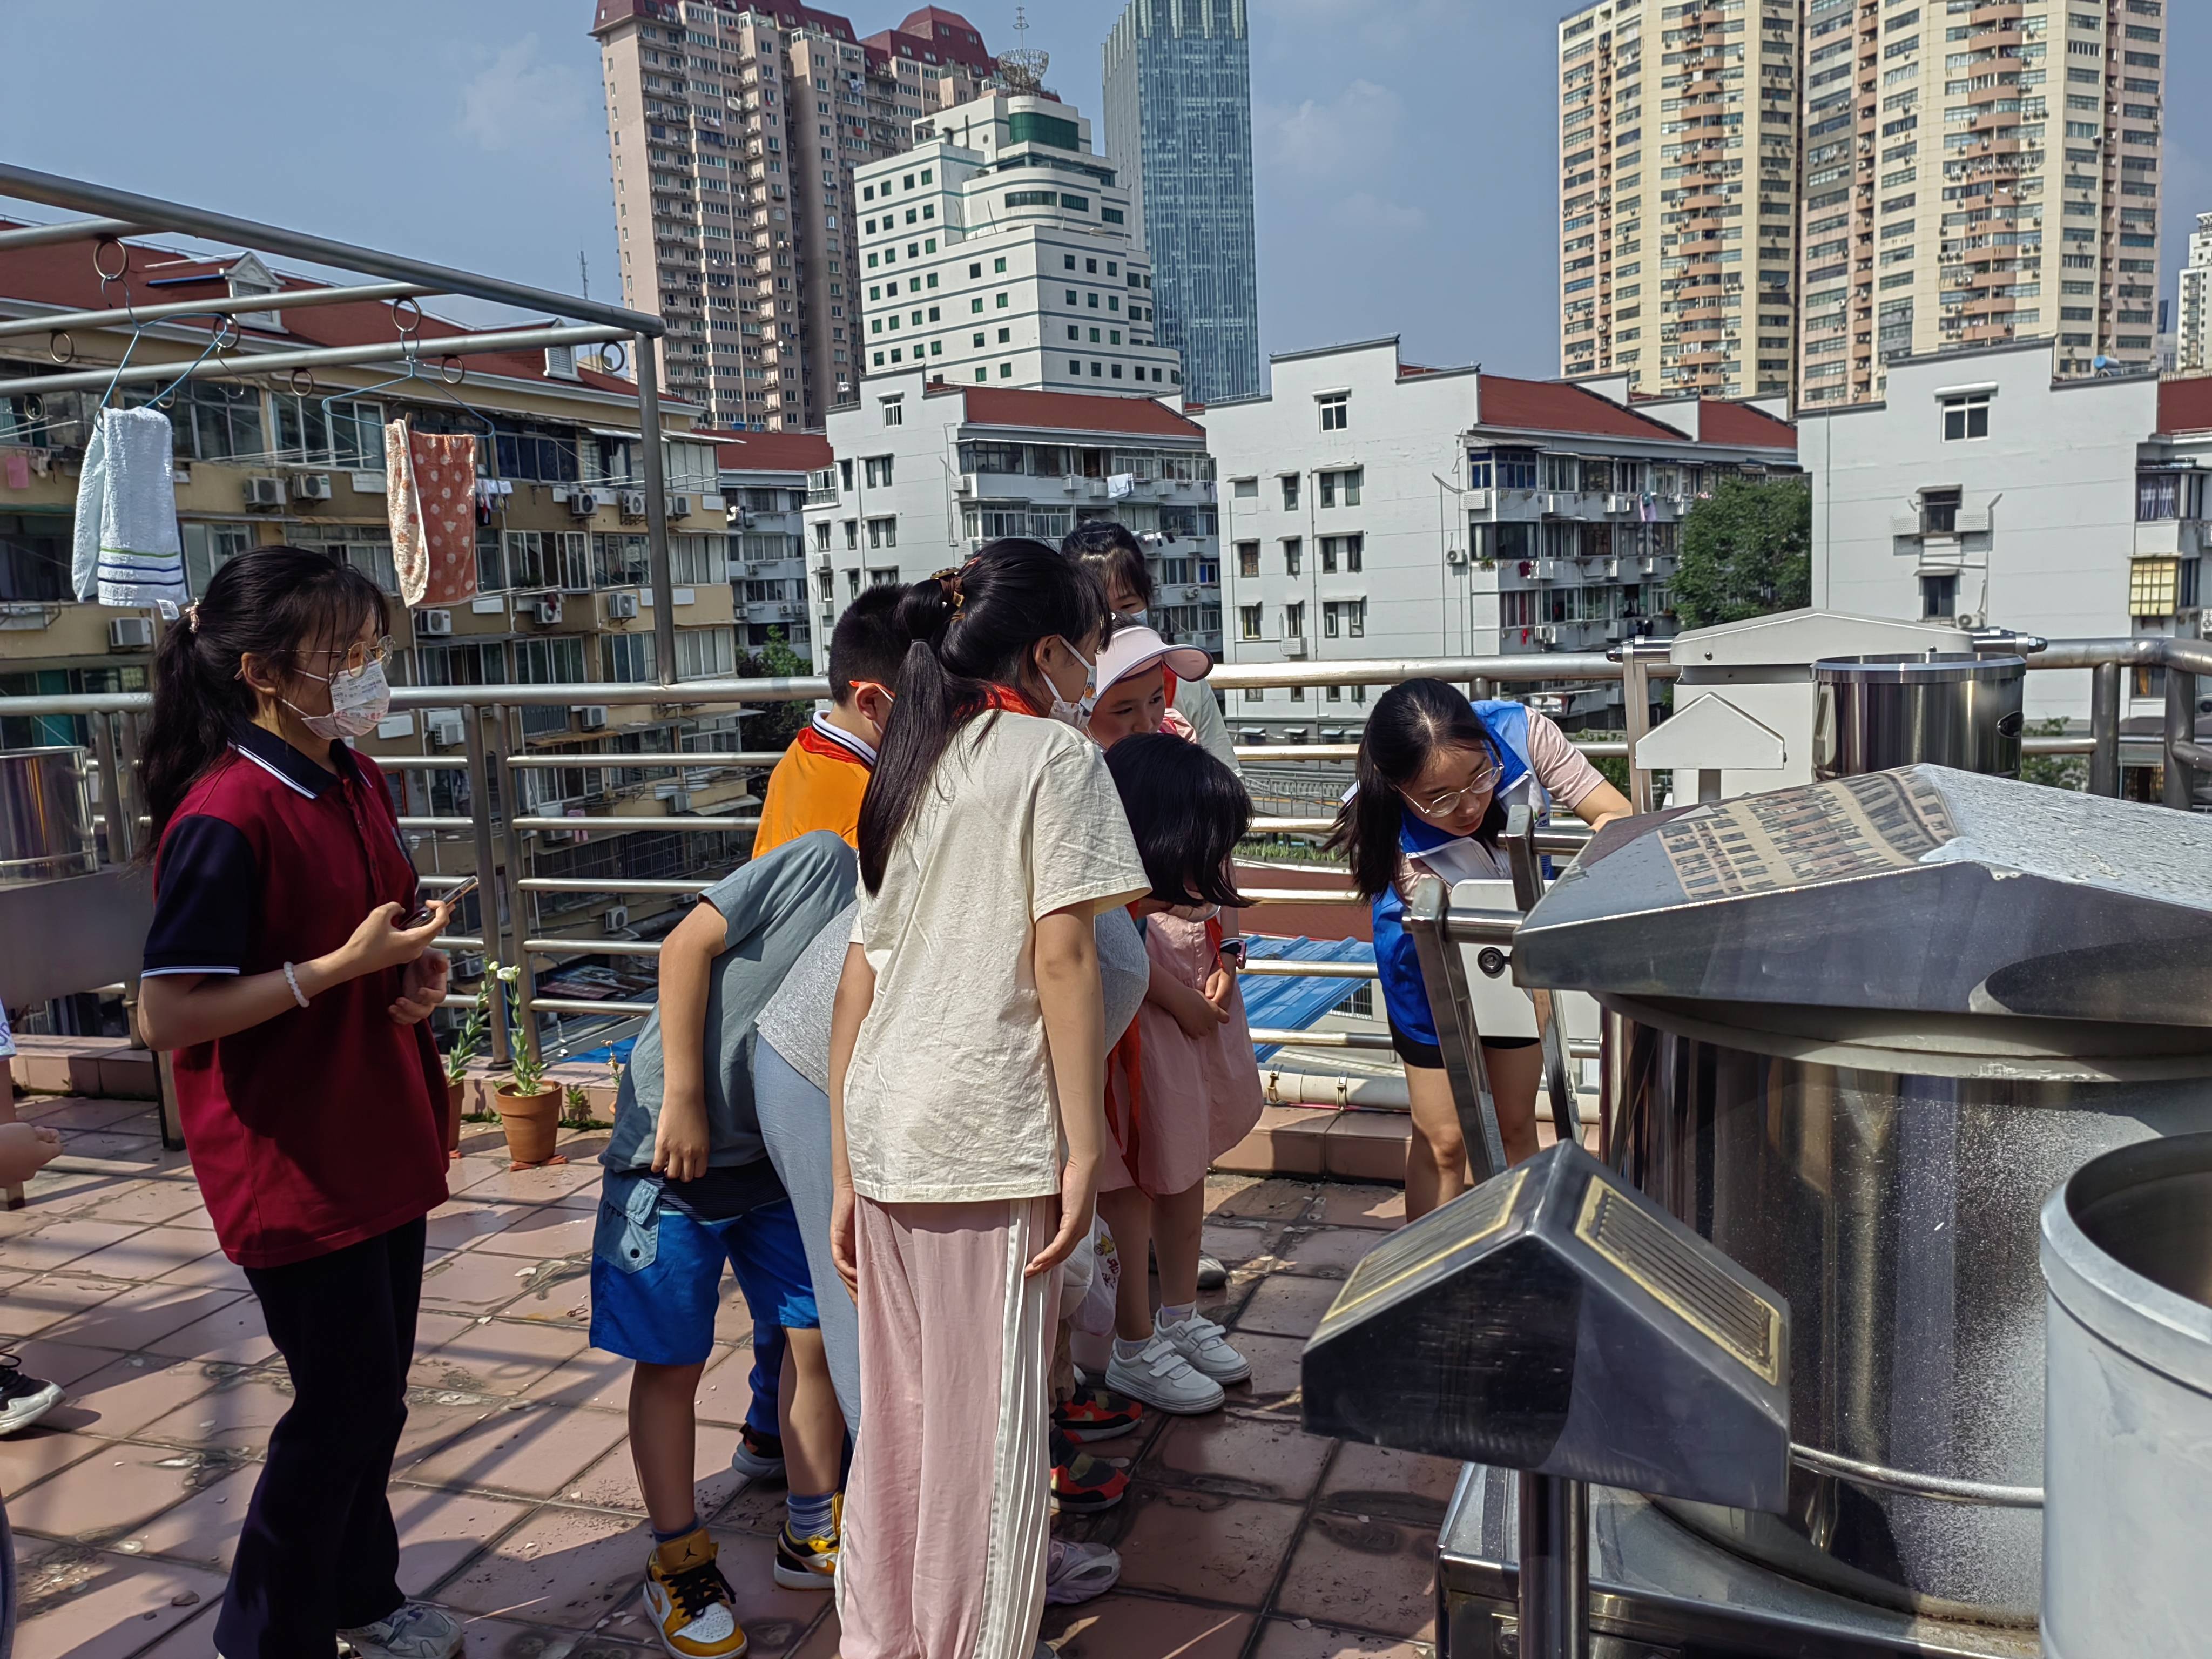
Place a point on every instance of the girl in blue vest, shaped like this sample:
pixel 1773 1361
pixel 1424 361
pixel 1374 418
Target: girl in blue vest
pixel 1437 775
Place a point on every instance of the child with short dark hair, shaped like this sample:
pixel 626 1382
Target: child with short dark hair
pixel 819 783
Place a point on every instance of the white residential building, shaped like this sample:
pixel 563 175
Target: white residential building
pixel 1985 490
pixel 2193 349
pixel 999 251
pixel 1372 508
pixel 763 482
pixel 926 474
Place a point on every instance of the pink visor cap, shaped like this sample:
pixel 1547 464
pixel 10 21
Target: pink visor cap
pixel 1133 650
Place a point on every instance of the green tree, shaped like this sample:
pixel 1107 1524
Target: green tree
pixel 1746 552
pixel 773 724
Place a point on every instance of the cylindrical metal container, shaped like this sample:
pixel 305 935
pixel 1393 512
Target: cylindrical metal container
pixel 1895 1207
pixel 46 815
pixel 1947 709
pixel 2127 1254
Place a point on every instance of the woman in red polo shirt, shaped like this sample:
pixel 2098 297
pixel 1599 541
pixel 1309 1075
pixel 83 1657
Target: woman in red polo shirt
pixel 279 971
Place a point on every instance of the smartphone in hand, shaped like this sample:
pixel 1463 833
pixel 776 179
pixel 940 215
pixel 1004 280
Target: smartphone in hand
pixel 451 898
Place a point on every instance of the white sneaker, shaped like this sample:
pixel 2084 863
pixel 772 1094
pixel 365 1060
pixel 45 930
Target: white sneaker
pixel 415 1631
pixel 1203 1343
pixel 1162 1378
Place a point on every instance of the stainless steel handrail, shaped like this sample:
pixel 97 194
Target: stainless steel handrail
pixel 1913 1484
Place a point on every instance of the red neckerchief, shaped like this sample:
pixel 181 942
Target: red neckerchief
pixel 815 744
pixel 1127 1057
pixel 1006 697
pixel 1169 674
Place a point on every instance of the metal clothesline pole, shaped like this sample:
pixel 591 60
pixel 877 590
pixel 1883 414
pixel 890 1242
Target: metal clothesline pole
pixel 71 230
pixel 63 321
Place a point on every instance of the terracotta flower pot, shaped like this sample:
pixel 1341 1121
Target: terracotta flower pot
pixel 457 1095
pixel 531 1122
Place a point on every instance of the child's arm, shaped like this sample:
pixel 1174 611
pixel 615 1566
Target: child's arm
pixel 25 1149
pixel 1198 1017
pixel 856 993
pixel 687 963
pixel 1065 956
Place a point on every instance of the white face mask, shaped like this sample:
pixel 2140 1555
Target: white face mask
pixel 1139 617
pixel 1077 713
pixel 360 697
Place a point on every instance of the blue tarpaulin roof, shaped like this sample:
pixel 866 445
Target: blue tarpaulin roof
pixel 1289 1004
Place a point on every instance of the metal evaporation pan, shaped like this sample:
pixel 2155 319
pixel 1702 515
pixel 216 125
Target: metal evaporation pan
pixel 1856 1031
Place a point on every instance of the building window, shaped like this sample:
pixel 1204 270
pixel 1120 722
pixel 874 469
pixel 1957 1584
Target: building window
pixel 1293 555
pixel 1965 416
pixel 2168 495
pixel 1939 511
pixel 1344 486
pixel 894 412
pixel 883 533
pixel 878 470
pixel 2152 587
pixel 1000 300
pixel 1939 598
pixel 1335 413
pixel 1245 490
pixel 852 533
pixel 1005 371
pixel 1248 622
pixel 1005 336
pixel 1290 492
pixel 1248 559
pixel 1294 628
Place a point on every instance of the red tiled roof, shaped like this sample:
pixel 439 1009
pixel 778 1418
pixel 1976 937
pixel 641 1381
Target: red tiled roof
pixel 61 274
pixel 768 451
pixel 2185 405
pixel 1740 425
pixel 1556 406
pixel 1075 411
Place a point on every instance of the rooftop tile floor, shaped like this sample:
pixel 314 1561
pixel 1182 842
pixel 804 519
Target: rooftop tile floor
pixel 1243 1538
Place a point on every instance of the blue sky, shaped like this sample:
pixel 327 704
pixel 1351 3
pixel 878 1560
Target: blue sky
pixel 1404 148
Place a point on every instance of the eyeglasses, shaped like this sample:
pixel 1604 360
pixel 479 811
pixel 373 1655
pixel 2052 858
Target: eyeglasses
pixel 1443 806
pixel 355 656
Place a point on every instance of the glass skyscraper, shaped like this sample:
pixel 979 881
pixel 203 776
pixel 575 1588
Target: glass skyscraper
pixel 1178 109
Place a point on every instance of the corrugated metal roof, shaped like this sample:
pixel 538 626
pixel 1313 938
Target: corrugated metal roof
pixel 1287 1004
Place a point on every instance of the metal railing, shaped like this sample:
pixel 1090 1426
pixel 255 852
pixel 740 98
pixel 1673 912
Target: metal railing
pixel 503 843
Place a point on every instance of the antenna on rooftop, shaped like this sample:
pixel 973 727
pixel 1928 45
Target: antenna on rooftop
pixel 1023 69
pixel 584 273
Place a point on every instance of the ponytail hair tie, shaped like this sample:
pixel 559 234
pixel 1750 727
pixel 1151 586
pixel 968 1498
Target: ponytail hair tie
pixel 948 583
pixel 192 617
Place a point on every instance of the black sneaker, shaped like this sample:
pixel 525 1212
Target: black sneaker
pixel 23 1400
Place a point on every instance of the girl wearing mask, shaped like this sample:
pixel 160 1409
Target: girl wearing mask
pixel 966 1076
pixel 1437 774
pixel 282 969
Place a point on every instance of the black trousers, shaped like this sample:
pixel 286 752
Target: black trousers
pixel 319 1553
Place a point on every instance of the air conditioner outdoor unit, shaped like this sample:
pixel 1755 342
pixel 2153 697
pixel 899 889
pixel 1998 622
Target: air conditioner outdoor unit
pixel 1649 564
pixel 264 492
pixel 311 486
pixel 130 633
pixel 1454 556
pixel 621 607
pixel 1071 484
pixel 592 716
pixel 429 623
pixel 1620 503
pixel 632 502
pixel 471 966
pixel 1613 567
pixel 547 612
pixel 583 504
pixel 713 502
pixel 1546 634
pixel 615 918
pixel 679 506
pixel 967 485
pixel 1547 504
pixel 444 728
pixel 1294 644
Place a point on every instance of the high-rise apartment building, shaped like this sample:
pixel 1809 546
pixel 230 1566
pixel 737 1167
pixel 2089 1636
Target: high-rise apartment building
pixel 734 130
pixel 1975 173
pixel 1178 114
pixel 2193 346
pixel 1678 195
pixel 999 251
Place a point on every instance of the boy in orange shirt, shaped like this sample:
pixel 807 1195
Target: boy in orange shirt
pixel 819 783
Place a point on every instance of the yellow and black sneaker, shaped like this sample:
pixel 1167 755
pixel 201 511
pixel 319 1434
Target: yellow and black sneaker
pixel 690 1602
pixel 811 1563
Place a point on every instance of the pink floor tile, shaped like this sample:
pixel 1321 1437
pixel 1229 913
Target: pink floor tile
pixel 56 1194
pixel 214 1270
pixel 124 1143
pixel 233 1335
pixel 153 1202
pixel 237 1416
pixel 109 1607
pixel 504 1357
pixel 204 1527
pixel 65 1240
pixel 539 1451
pixel 435 1416
pixel 1370 1479
pixel 547 1185
pixel 1239 1456
pixel 117 1488
pixel 38 1306
pixel 81 1113
pixel 611 1483
pixel 1117 1627
pixel 1371 1575
pixel 194 1639
pixel 775 1620
pixel 1330 1252
pixel 36 1454
pixel 1348 1206
pixel 64 1363
pixel 124 1395
pixel 460 1221
pixel 465 1282
pixel 439 1530
pixel 1235 1245
pixel 144 1314
pixel 1275 1199
pixel 1272 1390
pixel 556 1290
pixel 1191 1543
pixel 593 1377
pixel 548 1231
pixel 1286 1639
pixel 564 1567
pixel 726 1392
pixel 1284 1305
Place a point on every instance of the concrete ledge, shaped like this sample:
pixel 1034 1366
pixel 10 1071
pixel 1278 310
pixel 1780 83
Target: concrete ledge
pixel 1319 1141
pixel 107 1068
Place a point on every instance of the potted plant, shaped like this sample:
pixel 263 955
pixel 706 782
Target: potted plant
pixel 468 1043
pixel 529 1107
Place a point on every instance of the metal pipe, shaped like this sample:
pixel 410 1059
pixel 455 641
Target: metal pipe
pixel 1554 1567
pixel 1636 715
pixel 518 912
pixel 587 884
pixel 69 230
pixel 487 872
pixel 689 823
pixel 592 947
pixel 1381 671
pixel 28 184
pixel 576 1005
pixel 1377 1040
pixel 271 362
pixel 361 294
pixel 2180 737
pixel 2104 730
pixel 600 761
pixel 2196 756
pixel 1282 968
pixel 1940 1487
pixel 656 509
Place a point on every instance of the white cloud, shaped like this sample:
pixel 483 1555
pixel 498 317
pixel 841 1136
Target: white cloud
pixel 1394 23
pixel 518 100
pixel 1342 137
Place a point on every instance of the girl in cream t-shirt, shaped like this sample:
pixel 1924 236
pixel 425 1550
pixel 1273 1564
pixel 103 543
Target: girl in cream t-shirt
pixel 966 1081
